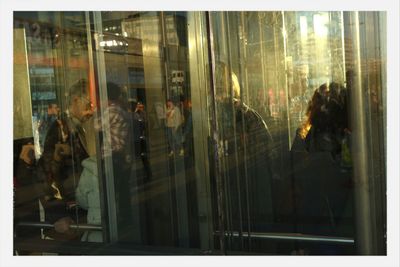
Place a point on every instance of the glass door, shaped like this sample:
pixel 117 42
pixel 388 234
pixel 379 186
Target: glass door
pixel 149 56
pixel 288 131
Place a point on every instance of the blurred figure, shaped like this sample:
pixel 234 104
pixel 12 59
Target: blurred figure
pixel 65 148
pixel 250 155
pixel 173 123
pixel 321 179
pixel 188 127
pixel 119 139
pixel 159 108
pixel 117 148
pixel 140 135
pixel 325 121
pixel 64 137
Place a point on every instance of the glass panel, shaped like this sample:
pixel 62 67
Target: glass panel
pixel 247 108
pixel 283 123
pixel 52 56
pixel 146 54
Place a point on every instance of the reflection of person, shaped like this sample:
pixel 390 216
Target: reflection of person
pixel 259 157
pixel 65 145
pixel 118 142
pixel 251 155
pixel 140 136
pixel 319 152
pixel 117 147
pixel 326 122
pixel 173 123
pixel 64 149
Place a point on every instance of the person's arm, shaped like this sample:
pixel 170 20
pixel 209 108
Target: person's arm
pixel 25 171
pixel 118 130
pixel 27 154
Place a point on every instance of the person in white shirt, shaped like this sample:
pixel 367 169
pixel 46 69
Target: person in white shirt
pixel 173 123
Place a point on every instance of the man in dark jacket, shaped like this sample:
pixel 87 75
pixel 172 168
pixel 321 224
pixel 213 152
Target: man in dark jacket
pixel 64 150
pixel 248 158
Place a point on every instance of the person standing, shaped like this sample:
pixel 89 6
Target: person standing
pixel 174 122
pixel 117 148
pixel 140 136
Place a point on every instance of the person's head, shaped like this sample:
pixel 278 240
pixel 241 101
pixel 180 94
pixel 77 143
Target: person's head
pixel 323 90
pixel 140 106
pixel 78 101
pixel 170 103
pixel 235 86
pixel 334 91
pixel 226 80
pixel 114 91
pixel 53 109
pixel 314 110
pixel 187 104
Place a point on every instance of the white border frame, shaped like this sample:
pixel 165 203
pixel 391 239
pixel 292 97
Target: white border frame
pixel 6 194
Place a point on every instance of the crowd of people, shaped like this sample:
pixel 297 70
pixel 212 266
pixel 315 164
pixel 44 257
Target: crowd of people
pixel 70 174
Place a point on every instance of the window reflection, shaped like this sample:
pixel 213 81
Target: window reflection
pixel 118 140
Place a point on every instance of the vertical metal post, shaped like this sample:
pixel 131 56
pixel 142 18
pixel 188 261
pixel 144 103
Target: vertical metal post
pixel 107 175
pixel 200 86
pixel 236 162
pixel 285 40
pixel 364 230
pixel 179 185
pixel 215 137
pixel 165 52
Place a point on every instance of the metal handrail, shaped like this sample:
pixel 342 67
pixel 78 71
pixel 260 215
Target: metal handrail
pixel 50 225
pixel 258 235
pixel 291 236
